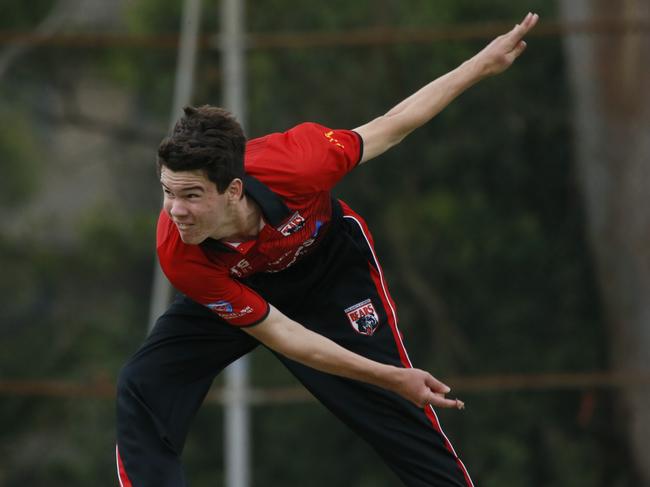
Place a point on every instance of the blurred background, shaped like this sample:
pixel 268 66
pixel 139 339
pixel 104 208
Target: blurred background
pixel 514 228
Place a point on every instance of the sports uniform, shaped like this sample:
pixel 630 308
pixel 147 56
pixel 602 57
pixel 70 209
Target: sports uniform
pixel 314 261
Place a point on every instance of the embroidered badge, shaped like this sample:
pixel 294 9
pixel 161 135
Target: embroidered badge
pixel 220 307
pixel 363 317
pixel 227 312
pixel 295 223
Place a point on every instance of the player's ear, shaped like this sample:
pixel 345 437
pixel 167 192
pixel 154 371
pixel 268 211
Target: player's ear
pixel 235 190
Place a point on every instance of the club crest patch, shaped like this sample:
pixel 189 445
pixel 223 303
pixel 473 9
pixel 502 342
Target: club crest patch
pixel 295 223
pixel 363 317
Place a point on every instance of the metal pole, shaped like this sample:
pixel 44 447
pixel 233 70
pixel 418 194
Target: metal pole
pixel 236 414
pixel 161 291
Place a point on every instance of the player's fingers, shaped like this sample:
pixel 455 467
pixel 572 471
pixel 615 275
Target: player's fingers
pixel 528 23
pixel 443 402
pixel 512 38
pixel 520 30
pixel 436 386
pixel 521 26
pixel 519 48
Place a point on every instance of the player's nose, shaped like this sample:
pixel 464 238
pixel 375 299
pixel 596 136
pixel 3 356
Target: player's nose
pixel 178 209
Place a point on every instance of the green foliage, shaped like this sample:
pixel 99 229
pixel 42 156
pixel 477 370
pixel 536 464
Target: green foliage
pixel 20 160
pixel 149 73
pixel 147 16
pixel 75 315
pixel 21 15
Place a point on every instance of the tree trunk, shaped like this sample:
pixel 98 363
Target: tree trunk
pixel 610 76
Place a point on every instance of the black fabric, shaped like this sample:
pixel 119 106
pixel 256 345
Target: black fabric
pixel 162 386
pixel 273 208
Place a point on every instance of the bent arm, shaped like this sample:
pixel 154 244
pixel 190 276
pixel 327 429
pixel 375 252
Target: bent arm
pixel 294 341
pixel 384 132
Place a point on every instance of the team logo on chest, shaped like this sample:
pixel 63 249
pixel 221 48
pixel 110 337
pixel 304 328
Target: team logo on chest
pixel 295 223
pixel 363 317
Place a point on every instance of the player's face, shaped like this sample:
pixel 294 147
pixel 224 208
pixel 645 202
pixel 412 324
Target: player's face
pixel 194 205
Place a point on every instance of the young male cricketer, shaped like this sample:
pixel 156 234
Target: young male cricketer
pixel 262 253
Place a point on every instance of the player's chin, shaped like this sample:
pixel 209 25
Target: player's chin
pixel 191 239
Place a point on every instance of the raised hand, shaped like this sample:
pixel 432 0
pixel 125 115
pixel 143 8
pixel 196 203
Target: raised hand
pixel 499 54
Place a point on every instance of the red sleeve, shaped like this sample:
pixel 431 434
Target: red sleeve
pixel 305 159
pixel 203 281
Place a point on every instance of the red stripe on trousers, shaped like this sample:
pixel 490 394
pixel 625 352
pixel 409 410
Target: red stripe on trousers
pixel 121 473
pixel 389 306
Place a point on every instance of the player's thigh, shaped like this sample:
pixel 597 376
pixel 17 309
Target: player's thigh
pixel 188 343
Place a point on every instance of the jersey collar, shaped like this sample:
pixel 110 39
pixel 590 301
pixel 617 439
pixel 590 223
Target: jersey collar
pixel 275 211
pixel 273 208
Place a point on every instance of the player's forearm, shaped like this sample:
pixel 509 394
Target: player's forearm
pixel 302 345
pixel 428 101
pixel 316 351
pixel 386 131
pixel 323 354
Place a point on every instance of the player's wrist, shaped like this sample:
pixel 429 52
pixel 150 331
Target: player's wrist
pixel 394 378
pixel 476 69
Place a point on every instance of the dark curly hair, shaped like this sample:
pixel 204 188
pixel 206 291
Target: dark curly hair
pixel 207 138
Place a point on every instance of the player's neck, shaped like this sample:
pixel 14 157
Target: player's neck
pixel 248 222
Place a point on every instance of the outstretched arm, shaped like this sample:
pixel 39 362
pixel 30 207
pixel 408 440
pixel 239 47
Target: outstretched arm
pixel 384 132
pixel 296 342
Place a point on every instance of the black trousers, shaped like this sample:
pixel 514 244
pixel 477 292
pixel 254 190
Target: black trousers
pixel 337 291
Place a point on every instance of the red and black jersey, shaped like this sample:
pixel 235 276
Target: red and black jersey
pixel 290 176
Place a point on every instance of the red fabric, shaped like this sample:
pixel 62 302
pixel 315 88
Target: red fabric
pixel 205 281
pixel 300 165
pixel 121 473
pixel 305 160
